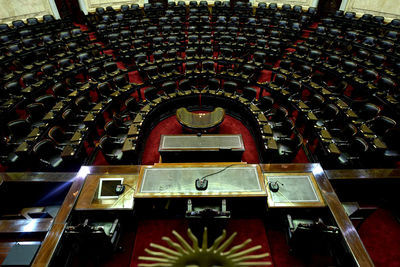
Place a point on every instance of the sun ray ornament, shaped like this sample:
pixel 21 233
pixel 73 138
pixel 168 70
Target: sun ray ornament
pixel 181 254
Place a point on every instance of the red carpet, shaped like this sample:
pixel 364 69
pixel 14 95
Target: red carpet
pixel 171 126
pixel 380 234
pixel 151 231
pixel 279 250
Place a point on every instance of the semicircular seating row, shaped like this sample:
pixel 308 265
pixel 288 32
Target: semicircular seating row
pixel 341 111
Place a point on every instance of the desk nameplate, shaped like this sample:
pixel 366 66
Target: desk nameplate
pixel 295 190
pixel 178 180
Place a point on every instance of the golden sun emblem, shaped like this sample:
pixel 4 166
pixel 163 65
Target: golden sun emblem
pixel 181 254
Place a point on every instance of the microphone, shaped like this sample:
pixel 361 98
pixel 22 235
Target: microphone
pixel 201 184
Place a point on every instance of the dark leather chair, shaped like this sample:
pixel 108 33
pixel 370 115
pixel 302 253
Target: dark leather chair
pixel 249 93
pixel 354 154
pixel 35 112
pixel 366 111
pixel 111 151
pixel 230 87
pixel 169 87
pixel 288 148
pixel 266 103
pixel 59 136
pixel 213 84
pixel 392 153
pixel 48 155
pixel 118 133
pixel 185 86
pixel 19 129
pixel 48 101
pixel 327 115
pixel 151 93
pixel 316 102
pixel 380 124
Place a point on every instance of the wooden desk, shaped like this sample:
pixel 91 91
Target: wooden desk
pixel 178 180
pixel 25 226
pixel 351 238
pixel 295 190
pixel 350 235
pixel 200 121
pixel 88 200
pixel 200 148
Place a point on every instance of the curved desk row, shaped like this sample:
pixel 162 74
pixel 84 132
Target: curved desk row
pixel 154 111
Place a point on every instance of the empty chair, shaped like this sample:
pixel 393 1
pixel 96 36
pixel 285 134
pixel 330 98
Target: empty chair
pixel 59 136
pixel 386 84
pixel 392 153
pixel 48 155
pixel 249 93
pixel 117 132
pixel 19 129
pixel 230 87
pixel 366 111
pixel 111 150
pixel 316 102
pixel 266 103
pixel 83 104
pixel 151 93
pixel 185 86
pixel 213 84
pixel 327 115
pixel 169 87
pixel 288 148
pixel 353 153
pixel 380 124
pixel 131 105
pixel 35 111
pixel 47 100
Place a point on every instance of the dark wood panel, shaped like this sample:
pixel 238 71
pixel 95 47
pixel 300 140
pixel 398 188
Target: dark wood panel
pixel 49 245
pixel 25 226
pixel 36 176
pixel 131 169
pixel 69 200
pixel 363 174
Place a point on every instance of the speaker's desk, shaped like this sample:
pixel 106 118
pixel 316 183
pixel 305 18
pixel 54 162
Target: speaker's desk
pixel 201 147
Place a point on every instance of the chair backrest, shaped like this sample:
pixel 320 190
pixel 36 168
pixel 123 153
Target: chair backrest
pixel 230 86
pixel 249 93
pixel 56 133
pixel 185 85
pixel 213 84
pixel 19 128
pixel 44 148
pixel 151 93
pixel 169 87
pixel 131 104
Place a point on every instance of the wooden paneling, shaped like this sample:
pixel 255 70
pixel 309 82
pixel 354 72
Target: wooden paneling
pixel 303 3
pixel 37 176
pixel 363 174
pixel 25 226
pixel 93 4
pixel 388 8
pixel 49 245
pixel 69 201
pixel 22 9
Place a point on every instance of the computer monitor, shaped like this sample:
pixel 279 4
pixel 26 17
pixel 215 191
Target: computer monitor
pixel 107 187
